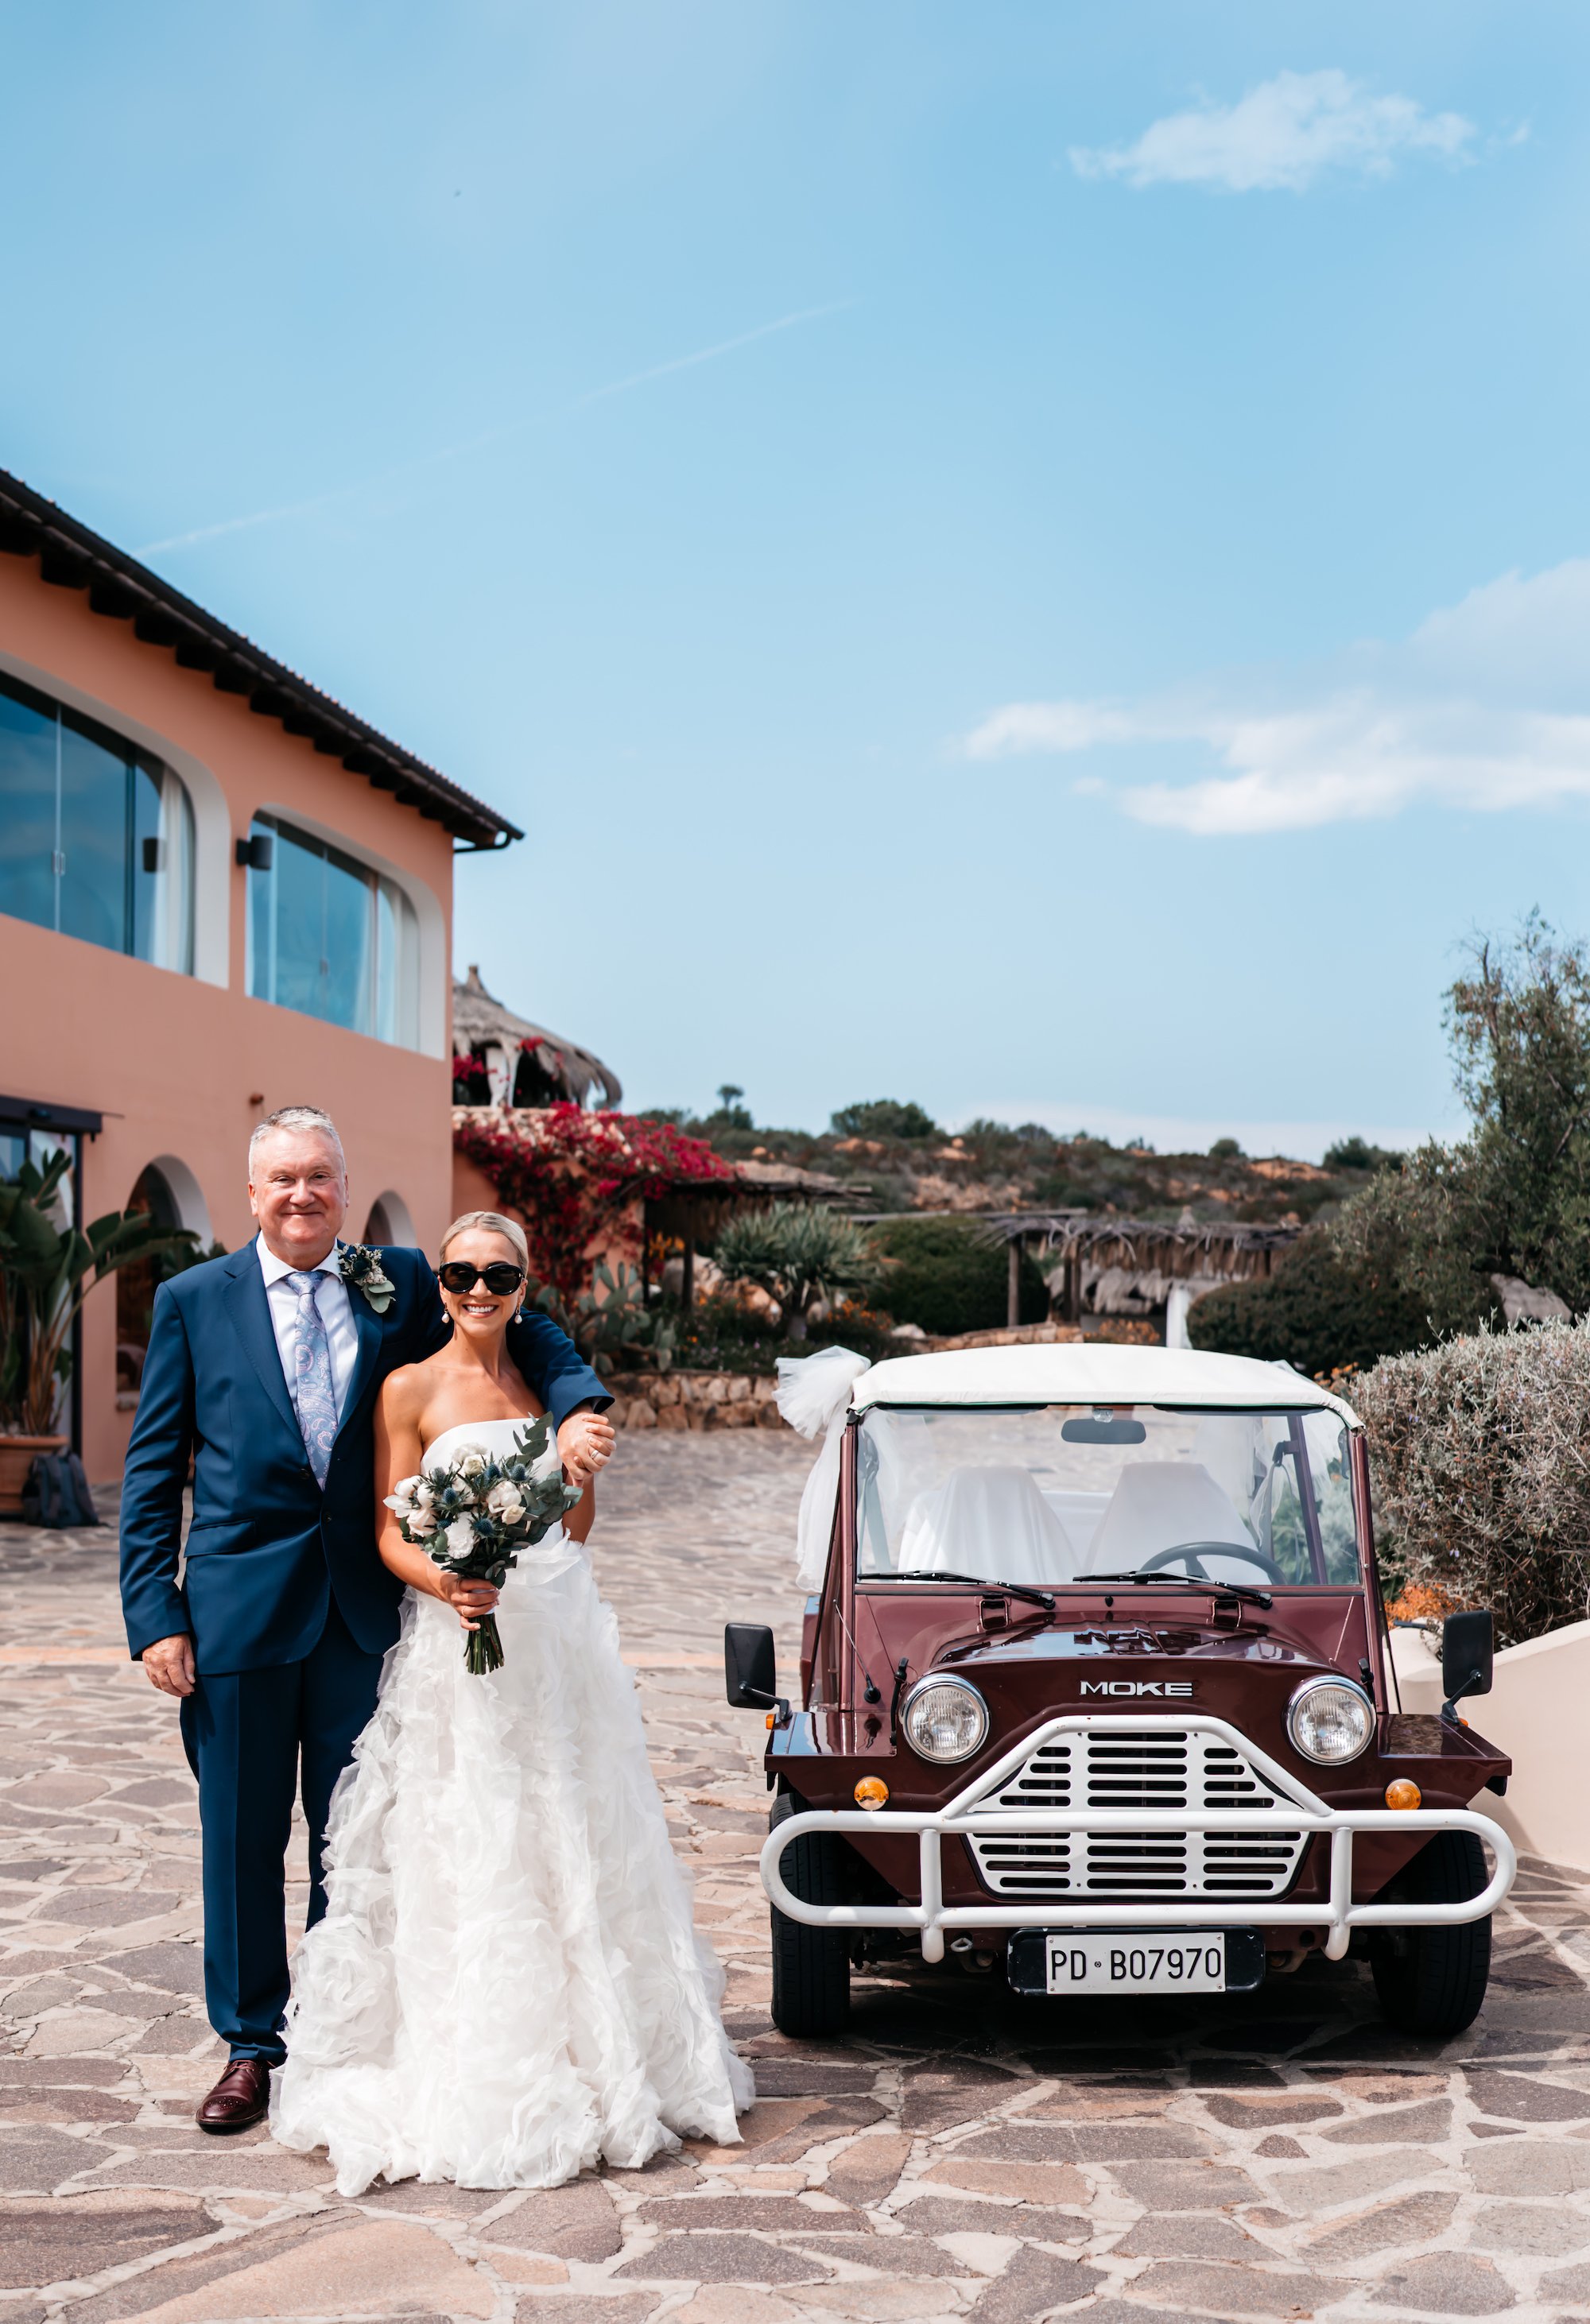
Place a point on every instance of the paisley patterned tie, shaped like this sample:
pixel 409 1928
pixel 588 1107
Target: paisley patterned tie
pixel 312 1391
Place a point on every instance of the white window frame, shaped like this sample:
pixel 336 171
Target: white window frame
pixel 212 822
pixel 430 935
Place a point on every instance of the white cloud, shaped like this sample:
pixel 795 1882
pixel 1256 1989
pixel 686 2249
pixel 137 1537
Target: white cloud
pixel 1050 726
pixel 1281 135
pixel 1486 707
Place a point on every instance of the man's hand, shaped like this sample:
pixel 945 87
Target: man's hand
pixel 585 1445
pixel 170 1664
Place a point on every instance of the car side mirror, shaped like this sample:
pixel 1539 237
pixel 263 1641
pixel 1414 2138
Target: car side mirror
pixel 750 1666
pixel 1467 1646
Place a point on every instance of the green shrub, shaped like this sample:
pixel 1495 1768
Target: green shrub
pixel 1388 1273
pixel 951 1275
pixel 1357 1154
pixel 719 1335
pixel 884 1117
pixel 1317 1312
pixel 1480 1464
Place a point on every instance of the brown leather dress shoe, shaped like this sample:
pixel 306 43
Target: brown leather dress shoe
pixel 239 2099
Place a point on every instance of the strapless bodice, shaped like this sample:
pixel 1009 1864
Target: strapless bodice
pixel 495 1437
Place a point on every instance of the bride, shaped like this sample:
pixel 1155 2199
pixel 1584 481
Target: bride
pixel 507 1987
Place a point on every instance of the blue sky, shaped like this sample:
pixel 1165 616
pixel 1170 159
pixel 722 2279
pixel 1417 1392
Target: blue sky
pixel 1033 557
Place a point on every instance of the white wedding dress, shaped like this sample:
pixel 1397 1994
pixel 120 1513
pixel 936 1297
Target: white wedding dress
pixel 507 1986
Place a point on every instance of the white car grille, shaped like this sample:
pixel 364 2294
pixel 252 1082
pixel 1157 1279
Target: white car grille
pixel 1127 1767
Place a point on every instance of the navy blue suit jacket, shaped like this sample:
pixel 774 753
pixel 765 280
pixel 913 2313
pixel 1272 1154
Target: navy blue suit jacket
pixel 267 1545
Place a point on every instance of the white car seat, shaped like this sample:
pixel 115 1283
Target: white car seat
pixel 992 1522
pixel 1159 1504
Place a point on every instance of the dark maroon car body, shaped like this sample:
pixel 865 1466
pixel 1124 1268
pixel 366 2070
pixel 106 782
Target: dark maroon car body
pixel 1128 1661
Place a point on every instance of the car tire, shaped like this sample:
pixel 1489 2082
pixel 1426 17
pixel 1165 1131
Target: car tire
pixel 812 1967
pixel 1432 1980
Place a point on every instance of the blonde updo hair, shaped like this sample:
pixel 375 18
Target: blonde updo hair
pixel 492 1222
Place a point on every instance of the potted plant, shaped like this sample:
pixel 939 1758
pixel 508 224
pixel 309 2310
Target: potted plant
pixel 46 1272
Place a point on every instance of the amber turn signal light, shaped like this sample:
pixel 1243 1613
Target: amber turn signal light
pixel 872 1793
pixel 1403 1794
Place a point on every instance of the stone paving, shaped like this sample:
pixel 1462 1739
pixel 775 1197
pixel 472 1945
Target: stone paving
pixel 960 2154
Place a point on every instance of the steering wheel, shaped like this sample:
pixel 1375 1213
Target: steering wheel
pixel 1195 1552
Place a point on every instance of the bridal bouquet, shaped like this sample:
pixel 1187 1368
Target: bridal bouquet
pixel 473 1515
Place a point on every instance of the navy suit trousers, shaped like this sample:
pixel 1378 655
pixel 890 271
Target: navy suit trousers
pixel 248 1734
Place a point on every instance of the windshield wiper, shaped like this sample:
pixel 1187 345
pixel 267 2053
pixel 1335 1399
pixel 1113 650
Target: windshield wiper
pixel 1187 1582
pixel 981 1581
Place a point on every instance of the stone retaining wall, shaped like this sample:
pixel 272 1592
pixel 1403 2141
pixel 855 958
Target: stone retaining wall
pixel 697 1400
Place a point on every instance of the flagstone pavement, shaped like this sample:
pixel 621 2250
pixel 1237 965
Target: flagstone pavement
pixel 1279 2156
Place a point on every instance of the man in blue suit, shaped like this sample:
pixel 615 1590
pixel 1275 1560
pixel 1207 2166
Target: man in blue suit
pixel 264 1367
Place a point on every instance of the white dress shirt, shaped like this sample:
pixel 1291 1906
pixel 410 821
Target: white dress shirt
pixel 331 1297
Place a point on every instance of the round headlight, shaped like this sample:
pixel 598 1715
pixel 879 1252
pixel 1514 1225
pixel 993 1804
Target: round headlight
pixel 1330 1720
pixel 945 1719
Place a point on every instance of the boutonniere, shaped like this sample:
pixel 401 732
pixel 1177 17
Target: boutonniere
pixel 360 1268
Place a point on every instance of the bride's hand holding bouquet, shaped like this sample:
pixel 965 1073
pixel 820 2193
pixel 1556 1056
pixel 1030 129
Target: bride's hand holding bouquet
pixel 472 1515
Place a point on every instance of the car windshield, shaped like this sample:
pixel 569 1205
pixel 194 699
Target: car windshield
pixel 1061 1493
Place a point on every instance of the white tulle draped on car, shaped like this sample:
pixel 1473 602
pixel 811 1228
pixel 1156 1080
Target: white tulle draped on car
pixel 813 1395
pixel 507 1987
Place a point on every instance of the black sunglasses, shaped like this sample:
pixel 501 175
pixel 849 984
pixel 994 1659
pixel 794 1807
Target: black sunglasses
pixel 499 1278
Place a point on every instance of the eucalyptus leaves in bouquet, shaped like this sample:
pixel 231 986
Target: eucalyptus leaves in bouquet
pixel 474 1514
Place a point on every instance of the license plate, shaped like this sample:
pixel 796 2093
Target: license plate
pixel 1141 1962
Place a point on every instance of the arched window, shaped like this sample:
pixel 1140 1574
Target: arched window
pixel 330 936
pixel 389 1222
pixel 96 836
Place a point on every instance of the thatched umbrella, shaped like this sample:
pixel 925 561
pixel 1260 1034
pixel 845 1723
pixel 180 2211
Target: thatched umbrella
pixel 527 1054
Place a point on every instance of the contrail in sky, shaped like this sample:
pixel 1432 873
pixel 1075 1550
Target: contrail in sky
pixel 709 354
pixel 493 435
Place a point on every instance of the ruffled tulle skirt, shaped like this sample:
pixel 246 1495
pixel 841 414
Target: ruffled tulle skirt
pixel 507 1986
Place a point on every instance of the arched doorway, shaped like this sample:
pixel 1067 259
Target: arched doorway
pixel 135 1286
pixel 168 1192
pixel 389 1222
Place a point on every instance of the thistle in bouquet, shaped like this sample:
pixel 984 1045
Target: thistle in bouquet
pixel 474 1514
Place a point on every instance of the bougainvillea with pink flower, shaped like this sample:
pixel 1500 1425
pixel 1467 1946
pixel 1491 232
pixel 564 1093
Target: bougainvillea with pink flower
pixel 574 1178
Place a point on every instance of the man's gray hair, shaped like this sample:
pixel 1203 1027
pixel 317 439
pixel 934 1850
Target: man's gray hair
pixel 296 1117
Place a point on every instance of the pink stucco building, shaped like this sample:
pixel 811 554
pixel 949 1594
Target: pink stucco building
pixel 220 892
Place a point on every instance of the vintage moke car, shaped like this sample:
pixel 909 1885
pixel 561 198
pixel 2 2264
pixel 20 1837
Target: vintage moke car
pixel 1096 1694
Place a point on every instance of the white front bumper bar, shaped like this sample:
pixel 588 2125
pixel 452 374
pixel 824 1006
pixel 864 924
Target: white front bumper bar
pixel 1296 1809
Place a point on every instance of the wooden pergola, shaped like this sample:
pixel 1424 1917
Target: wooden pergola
pixel 1189 1251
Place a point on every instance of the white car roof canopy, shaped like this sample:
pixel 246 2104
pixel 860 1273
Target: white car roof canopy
pixel 1094 1372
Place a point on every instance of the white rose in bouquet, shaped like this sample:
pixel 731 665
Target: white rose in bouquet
pixel 474 1516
